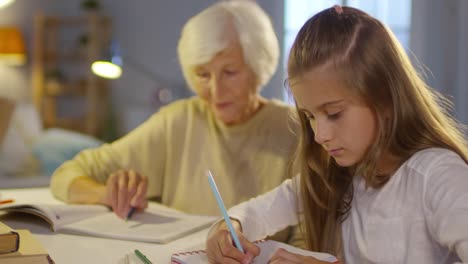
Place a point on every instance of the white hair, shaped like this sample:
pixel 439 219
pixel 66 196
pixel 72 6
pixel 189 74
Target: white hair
pixel 207 33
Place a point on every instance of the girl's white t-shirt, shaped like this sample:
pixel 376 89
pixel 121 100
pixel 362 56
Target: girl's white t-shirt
pixel 419 216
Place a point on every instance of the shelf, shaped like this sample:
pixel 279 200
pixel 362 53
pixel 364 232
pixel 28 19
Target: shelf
pixel 68 21
pixel 52 56
pixel 55 88
pixel 66 92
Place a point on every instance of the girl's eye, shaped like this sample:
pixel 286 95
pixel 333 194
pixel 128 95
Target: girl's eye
pixel 334 116
pixel 309 116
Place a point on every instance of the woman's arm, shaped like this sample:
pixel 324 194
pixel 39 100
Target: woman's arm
pixel 86 190
pixel 87 173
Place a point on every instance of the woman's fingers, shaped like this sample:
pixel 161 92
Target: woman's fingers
pixel 126 188
pixel 111 189
pixel 139 199
pixel 122 199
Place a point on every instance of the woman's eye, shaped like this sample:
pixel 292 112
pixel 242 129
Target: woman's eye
pixel 203 75
pixel 230 72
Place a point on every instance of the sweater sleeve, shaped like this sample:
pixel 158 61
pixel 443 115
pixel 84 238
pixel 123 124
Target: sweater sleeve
pixel 268 213
pixel 446 204
pixel 142 150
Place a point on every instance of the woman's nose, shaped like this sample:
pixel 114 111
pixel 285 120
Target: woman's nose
pixel 217 88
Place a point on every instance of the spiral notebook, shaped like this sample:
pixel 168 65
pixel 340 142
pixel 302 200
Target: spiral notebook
pixel 267 249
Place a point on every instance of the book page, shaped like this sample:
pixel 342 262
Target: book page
pixel 57 215
pixel 157 224
pixel 267 249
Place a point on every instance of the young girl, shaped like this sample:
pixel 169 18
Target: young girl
pixel 384 174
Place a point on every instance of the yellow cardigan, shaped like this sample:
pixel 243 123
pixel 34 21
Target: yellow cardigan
pixel 176 146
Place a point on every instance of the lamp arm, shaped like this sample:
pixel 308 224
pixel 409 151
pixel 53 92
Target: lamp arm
pixel 157 78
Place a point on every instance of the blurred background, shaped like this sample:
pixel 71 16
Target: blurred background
pixel 48 46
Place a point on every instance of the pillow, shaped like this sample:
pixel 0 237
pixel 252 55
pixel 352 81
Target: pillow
pixel 56 146
pixel 15 154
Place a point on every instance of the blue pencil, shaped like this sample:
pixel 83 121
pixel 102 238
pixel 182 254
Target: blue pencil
pixel 214 188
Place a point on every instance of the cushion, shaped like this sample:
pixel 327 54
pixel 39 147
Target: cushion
pixel 56 146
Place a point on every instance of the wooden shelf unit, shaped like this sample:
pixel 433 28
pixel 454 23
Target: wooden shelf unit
pixel 65 91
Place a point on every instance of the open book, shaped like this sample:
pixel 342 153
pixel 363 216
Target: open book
pixel 267 249
pixel 157 224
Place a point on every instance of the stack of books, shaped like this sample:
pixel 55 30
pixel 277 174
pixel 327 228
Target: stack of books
pixel 20 247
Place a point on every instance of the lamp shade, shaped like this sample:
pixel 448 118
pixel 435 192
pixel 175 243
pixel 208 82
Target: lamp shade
pixel 4 3
pixel 12 46
pixel 110 64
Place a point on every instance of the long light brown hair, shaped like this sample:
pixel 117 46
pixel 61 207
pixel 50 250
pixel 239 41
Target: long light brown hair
pixel 410 115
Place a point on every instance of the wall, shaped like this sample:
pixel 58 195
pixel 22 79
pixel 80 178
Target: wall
pixel 147 33
pixel 439 40
pixel 16 79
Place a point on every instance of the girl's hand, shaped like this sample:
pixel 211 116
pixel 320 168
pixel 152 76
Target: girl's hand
pixel 126 189
pixel 284 256
pixel 220 247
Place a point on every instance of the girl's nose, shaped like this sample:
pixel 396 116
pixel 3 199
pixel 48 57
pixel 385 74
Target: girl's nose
pixel 322 132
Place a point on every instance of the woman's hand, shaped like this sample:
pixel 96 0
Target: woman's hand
pixel 126 189
pixel 220 247
pixel 284 256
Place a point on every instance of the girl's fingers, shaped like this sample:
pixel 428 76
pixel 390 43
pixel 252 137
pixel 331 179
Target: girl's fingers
pixel 284 256
pixel 229 251
pixel 281 255
pixel 251 250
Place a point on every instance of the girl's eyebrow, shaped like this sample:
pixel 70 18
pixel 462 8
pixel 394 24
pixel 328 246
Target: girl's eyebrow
pixel 322 106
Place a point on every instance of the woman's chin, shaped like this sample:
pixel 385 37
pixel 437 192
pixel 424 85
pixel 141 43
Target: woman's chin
pixel 226 119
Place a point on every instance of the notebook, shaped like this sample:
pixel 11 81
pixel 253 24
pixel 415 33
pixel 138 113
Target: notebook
pixel 267 249
pixel 30 251
pixel 157 224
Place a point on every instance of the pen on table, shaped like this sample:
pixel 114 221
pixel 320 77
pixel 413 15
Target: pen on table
pixel 142 257
pixel 217 195
pixel 130 213
pixel 7 201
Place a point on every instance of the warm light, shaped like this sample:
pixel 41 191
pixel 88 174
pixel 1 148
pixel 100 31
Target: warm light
pixel 106 69
pixel 4 3
pixel 11 46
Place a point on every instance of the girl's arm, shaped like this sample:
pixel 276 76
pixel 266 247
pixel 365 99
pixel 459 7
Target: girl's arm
pixel 268 213
pixel 446 204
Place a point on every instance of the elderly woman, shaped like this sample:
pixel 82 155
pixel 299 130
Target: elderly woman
pixel 228 52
